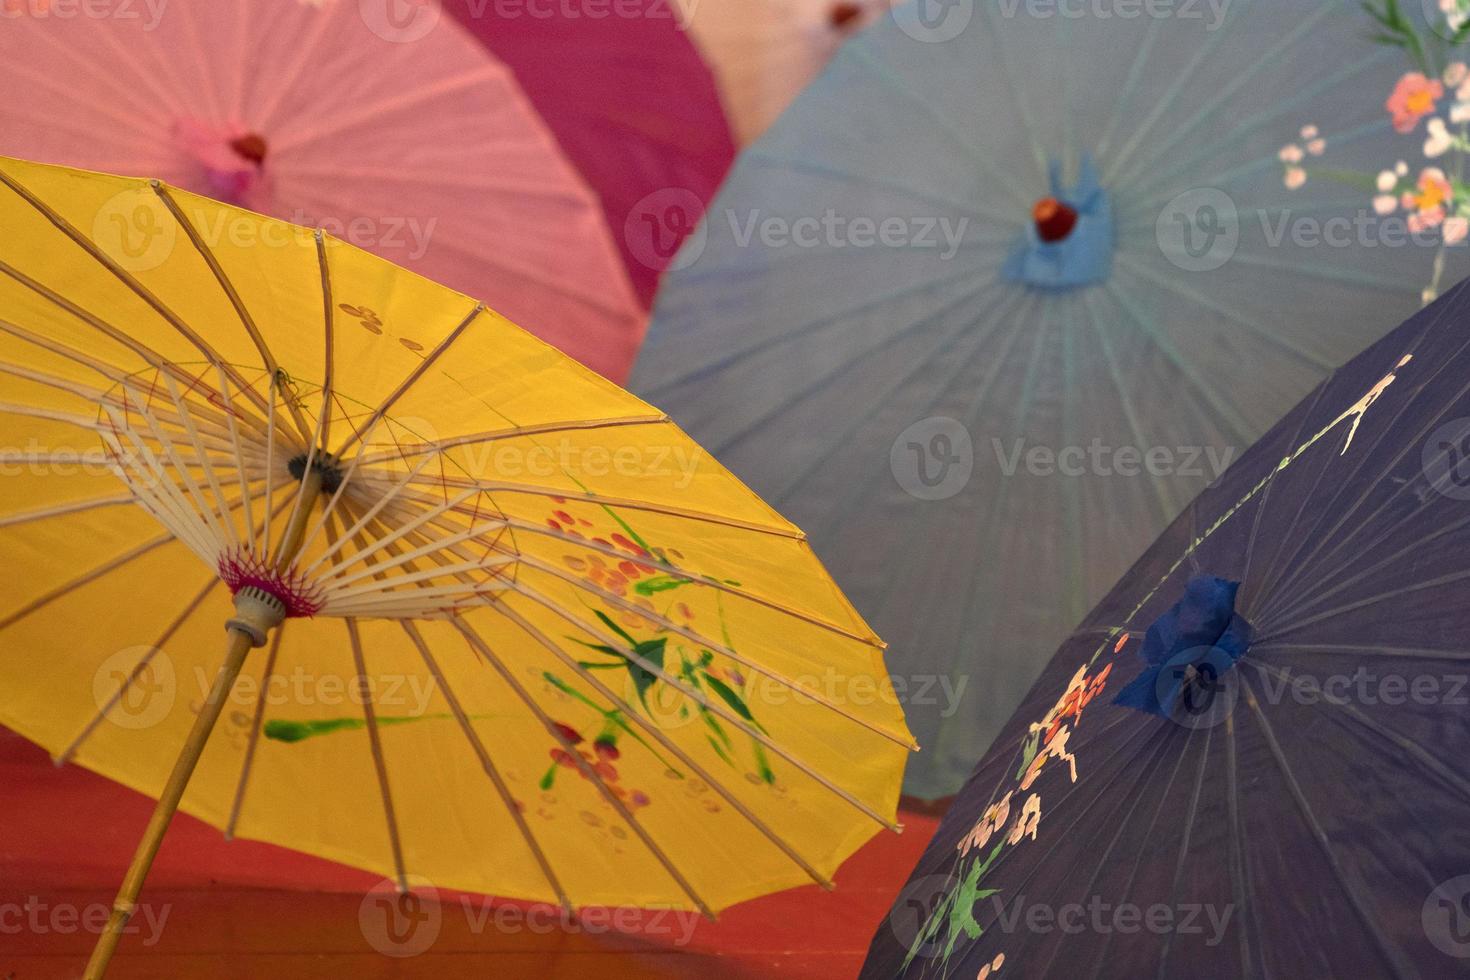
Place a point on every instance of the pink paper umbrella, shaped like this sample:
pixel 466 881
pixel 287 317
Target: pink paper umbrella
pixel 633 104
pixel 380 121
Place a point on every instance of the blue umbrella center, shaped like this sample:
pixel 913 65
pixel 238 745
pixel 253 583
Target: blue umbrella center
pixel 1070 240
pixel 1189 650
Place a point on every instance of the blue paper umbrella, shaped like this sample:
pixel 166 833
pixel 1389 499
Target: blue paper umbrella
pixel 1012 282
pixel 1252 759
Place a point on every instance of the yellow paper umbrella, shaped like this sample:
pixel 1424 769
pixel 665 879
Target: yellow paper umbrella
pixel 491 621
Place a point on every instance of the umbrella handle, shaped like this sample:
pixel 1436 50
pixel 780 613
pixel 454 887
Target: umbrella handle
pixel 241 643
pixel 256 614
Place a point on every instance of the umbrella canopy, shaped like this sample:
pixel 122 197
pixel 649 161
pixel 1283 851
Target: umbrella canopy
pixel 766 51
pixel 1250 758
pixel 400 135
pixel 520 635
pixel 985 327
pixel 632 103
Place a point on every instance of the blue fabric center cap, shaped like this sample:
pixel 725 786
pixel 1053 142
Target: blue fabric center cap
pixel 1085 255
pixel 1188 650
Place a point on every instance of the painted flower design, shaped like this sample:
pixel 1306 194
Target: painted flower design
pixel 1412 99
pixel 1428 200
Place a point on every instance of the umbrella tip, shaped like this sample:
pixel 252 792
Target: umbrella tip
pixel 1054 220
pixel 251 147
pixel 844 13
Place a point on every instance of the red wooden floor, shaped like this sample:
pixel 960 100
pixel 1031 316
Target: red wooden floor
pixel 249 910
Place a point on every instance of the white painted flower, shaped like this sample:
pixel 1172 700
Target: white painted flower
pixel 1295 177
pixel 1455 73
pixel 1401 168
pixel 1454 16
pixel 1290 153
pixel 1440 139
pixel 1455 230
pixel 1460 112
pixel 1387 181
pixel 1310 132
pixel 1385 204
pixel 1316 147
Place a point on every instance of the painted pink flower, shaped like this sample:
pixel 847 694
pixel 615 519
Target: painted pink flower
pixel 1430 201
pixel 1456 230
pixel 1413 98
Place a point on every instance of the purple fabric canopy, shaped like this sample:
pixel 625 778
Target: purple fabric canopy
pixel 1291 800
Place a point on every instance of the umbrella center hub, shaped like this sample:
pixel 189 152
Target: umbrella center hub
pixel 1189 654
pixel 251 147
pixel 1069 241
pixel 1054 220
pixel 845 14
pixel 230 158
pixel 324 463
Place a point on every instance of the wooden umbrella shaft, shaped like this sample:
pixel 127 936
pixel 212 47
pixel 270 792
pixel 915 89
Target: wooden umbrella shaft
pixel 240 645
pixel 123 906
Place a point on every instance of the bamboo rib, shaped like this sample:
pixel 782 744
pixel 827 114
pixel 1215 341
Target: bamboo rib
pixel 413 377
pixel 659 736
pixel 66 754
pixel 699 698
pixel 519 524
pixel 478 645
pixel 501 788
pixel 190 484
pixel 439 446
pixel 669 625
pixel 257 721
pixel 334 546
pixel 146 354
pixel 375 744
pixel 210 259
pixel 622 503
pixel 203 458
pixel 148 486
pixel 907 742
pixel 75 507
pixel 99 397
pixel 328 317
pixel 121 274
pixel 235 438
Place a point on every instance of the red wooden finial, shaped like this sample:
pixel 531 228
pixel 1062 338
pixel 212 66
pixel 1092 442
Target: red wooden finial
pixel 251 146
pixel 844 12
pixel 1054 220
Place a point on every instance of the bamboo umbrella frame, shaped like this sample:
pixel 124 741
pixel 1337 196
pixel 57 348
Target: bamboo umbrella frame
pixel 241 471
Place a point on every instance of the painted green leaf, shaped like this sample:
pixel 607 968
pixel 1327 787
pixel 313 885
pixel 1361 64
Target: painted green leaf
pixel 735 701
pixel 290 732
pixel 659 583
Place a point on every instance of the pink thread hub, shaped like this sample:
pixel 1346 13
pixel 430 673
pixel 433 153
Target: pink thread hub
pixel 242 570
